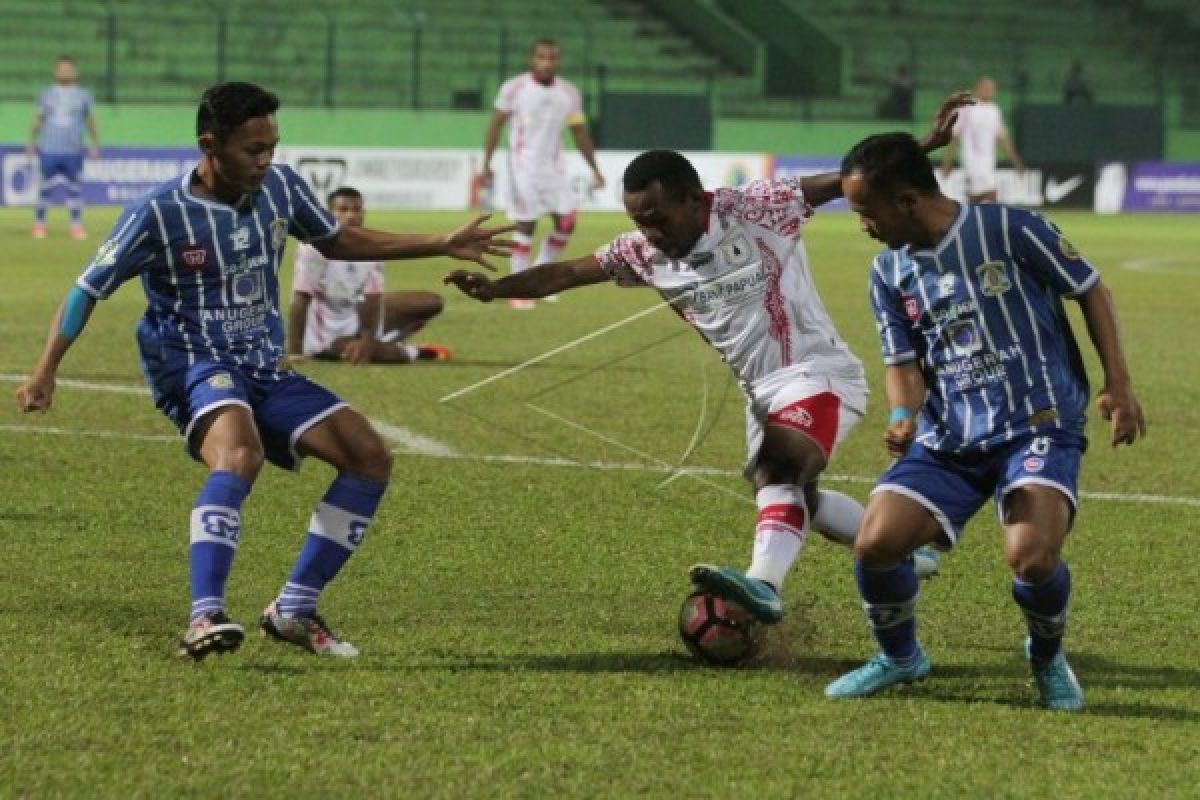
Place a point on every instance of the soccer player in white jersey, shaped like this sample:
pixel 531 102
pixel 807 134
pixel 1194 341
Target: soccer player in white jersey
pixel 340 311
pixel 65 111
pixel 207 249
pixel 980 125
pixel 988 397
pixel 732 264
pixel 538 104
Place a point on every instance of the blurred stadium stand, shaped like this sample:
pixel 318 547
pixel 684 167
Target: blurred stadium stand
pixel 812 59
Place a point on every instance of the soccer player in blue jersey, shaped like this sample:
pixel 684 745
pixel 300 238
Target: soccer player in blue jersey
pixel 988 396
pixel 65 110
pixel 207 249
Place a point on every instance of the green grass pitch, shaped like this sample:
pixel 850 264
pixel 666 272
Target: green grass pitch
pixel 516 601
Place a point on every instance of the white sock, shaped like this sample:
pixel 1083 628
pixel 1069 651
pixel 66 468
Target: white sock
pixel 780 532
pixel 552 245
pixel 522 245
pixel 838 517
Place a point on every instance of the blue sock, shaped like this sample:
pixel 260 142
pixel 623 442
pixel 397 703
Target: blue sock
pixel 336 529
pixel 215 528
pixel 1045 607
pixel 890 599
pixel 75 205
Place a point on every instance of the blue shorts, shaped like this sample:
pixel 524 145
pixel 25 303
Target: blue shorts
pixel 952 487
pixel 68 165
pixel 284 406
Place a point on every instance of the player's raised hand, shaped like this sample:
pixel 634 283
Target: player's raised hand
pixel 472 242
pixel 942 130
pixel 899 435
pixel 36 394
pixel 1120 406
pixel 472 284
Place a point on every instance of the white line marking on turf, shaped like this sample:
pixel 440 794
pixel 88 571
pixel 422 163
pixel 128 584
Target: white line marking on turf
pixel 551 353
pixel 115 388
pixel 52 431
pixel 691 445
pixel 1172 264
pixel 413 442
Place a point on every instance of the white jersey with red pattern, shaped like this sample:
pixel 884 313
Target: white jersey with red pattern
pixel 745 285
pixel 539 112
pixel 337 289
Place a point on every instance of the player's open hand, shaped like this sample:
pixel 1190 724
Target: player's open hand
pixel 1120 406
pixel 472 284
pixel 899 435
pixel 472 242
pixel 943 122
pixel 35 394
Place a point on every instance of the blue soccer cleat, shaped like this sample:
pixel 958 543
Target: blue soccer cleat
pixel 880 673
pixel 925 561
pixel 758 597
pixel 1056 682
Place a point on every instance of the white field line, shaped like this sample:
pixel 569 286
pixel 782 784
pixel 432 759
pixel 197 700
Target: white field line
pixel 431 448
pixel 551 353
pixel 412 442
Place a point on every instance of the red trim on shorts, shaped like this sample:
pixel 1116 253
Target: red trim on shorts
pixel 815 416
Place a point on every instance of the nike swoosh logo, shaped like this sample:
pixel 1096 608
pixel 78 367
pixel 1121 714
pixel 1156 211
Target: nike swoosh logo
pixel 1056 191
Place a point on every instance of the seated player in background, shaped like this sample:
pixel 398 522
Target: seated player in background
pixel 732 264
pixel 989 395
pixel 340 311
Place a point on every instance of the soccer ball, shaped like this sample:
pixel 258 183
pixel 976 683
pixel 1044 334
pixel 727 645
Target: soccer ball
pixel 719 631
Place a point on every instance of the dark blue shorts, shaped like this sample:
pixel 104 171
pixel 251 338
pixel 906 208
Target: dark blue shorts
pixel 285 405
pixel 68 165
pixel 953 487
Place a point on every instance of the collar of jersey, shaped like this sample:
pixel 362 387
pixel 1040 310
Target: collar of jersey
pixel 204 201
pixel 950 234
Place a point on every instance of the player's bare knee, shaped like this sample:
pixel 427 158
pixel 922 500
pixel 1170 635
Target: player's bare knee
pixel 372 459
pixel 244 460
pixel 433 304
pixel 876 546
pixel 1032 564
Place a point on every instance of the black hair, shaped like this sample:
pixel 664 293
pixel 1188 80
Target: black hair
pixel 545 41
pixel 891 162
pixel 674 173
pixel 65 59
pixel 225 106
pixel 344 191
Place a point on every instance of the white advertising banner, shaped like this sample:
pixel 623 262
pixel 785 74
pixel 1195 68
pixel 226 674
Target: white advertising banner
pixel 429 180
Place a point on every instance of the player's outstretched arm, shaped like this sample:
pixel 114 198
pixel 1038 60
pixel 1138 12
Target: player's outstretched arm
pixel 537 282
pixel 904 386
pixel 37 392
pixel 1116 400
pixel 471 242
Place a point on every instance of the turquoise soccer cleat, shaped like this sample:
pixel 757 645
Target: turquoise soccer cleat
pixel 925 561
pixel 880 673
pixel 1056 682
pixel 756 596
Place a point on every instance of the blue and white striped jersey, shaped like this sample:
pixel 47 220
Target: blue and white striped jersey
pixel 983 314
pixel 64 111
pixel 209 270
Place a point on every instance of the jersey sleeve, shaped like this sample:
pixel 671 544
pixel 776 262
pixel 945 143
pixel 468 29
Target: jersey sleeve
pixel 309 267
pixel 310 222
pixel 575 115
pixel 778 205
pixel 891 319
pixel 129 248
pixel 506 97
pixel 1040 248
pixel 627 259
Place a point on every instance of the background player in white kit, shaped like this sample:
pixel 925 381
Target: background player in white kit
pixel 980 125
pixel 732 264
pixel 540 104
pixel 339 309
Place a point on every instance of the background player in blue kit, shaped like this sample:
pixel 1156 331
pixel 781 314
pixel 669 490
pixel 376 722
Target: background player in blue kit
pixel 65 110
pixel 988 395
pixel 207 249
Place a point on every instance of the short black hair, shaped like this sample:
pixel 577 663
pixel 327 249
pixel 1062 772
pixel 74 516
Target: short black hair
pixel 674 172
pixel 344 191
pixel 545 41
pixel 891 162
pixel 225 106
pixel 65 59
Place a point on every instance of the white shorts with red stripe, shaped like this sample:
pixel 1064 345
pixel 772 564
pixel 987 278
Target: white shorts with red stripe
pixel 534 195
pixel 824 407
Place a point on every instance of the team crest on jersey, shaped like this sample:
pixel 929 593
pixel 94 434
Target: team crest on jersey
pixel 993 279
pixel 911 307
pixel 222 380
pixel 946 285
pixel 279 228
pixel 737 250
pixel 106 254
pixel 194 258
pixel 1068 249
pixel 963 336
